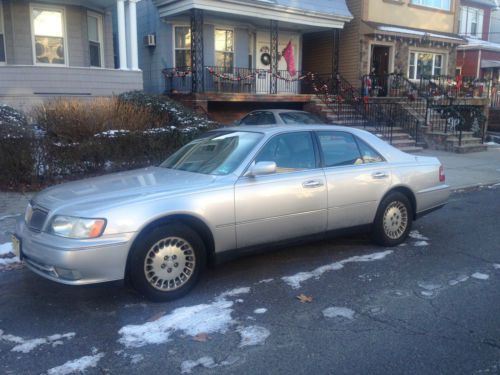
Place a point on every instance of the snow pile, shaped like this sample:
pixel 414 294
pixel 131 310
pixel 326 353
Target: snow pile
pixel 296 280
pixel 480 276
pixel 193 320
pixel 26 346
pixel 206 362
pixel 253 335
pixel 261 310
pixel 6 248
pixel 343 312
pixel 77 366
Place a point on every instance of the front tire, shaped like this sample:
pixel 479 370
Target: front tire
pixel 393 220
pixel 167 262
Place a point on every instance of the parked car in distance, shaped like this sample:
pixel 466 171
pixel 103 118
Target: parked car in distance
pixel 280 117
pixel 229 191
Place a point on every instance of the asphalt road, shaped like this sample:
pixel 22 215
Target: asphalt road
pixel 429 307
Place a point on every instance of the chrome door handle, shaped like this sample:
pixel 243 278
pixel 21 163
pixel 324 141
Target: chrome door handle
pixel 379 175
pixel 312 184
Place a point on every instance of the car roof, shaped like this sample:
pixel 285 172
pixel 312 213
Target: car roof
pixel 389 152
pixel 280 110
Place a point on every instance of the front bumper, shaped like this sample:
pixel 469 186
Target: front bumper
pixel 71 261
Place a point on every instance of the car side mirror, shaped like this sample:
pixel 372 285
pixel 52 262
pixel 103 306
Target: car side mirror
pixel 262 168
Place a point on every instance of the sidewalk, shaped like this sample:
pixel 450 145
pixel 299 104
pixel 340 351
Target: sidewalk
pixel 467 170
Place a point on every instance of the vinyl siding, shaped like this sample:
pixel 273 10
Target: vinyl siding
pixel 349 52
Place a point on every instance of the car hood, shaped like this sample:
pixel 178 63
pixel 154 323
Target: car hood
pixel 109 189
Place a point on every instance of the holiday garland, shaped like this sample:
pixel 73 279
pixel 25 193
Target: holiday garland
pixel 177 72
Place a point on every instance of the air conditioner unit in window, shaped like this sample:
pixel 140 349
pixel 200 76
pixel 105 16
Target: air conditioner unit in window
pixel 150 40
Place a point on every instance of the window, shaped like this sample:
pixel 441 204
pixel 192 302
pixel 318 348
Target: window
pixel 291 152
pixel 48 35
pixel 471 22
pixel 425 64
pixel 217 153
pixel 368 154
pixel 259 118
pixel 95 34
pixel 224 51
pixel 293 118
pixel 438 4
pixel 182 47
pixel 339 149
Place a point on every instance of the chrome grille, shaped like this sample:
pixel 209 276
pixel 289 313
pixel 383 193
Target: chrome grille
pixel 38 219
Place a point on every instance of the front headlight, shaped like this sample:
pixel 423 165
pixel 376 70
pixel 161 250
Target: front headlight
pixel 28 213
pixel 76 227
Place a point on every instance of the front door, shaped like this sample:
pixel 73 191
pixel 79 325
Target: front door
pixel 287 204
pixel 288 85
pixel 380 68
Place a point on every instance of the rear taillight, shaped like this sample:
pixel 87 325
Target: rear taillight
pixel 442 177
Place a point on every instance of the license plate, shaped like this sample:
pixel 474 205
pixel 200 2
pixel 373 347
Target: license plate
pixel 16 246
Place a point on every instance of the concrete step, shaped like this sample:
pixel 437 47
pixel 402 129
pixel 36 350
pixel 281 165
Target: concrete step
pixel 465 149
pixel 410 149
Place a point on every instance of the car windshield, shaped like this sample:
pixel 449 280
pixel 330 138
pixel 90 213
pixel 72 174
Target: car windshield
pixel 217 153
pixel 293 118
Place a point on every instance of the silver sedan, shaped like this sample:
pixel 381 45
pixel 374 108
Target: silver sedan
pixel 279 117
pixel 229 191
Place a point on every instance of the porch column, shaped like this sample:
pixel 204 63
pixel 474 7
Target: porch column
pixel 335 54
pixel 274 57
pixel 197 64
pixel 134 53
pixel 122 36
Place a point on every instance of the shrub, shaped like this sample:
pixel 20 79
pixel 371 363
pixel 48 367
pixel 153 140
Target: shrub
pixel 88 137
pixel 74 120
pixel 16 145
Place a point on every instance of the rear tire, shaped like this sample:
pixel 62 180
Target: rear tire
pixel 393 220
pixel 167 262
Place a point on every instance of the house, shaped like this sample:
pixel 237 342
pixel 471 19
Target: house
pixel 413 38
pixel 480 57
pixel 69 48
pixel 236 55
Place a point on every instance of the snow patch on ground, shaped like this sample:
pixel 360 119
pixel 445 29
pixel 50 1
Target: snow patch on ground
pixel 296 280
pixel 261 310
pixel 77 366
pixel 496 266
pixel 6 248
pixel 458 280
pixel 421 243
pixel 207 362
pixel 27 345
pixel 265 281
pixel 253 335
pixel 136 358
pixel 343 312
pixel 192 320
pixel 9 261
pixel 416 235
pixel 480 276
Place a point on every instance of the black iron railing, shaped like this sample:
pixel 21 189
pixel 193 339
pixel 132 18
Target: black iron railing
pixel 236 80
pixel 393 85
pixel 453 116
pixel 454 87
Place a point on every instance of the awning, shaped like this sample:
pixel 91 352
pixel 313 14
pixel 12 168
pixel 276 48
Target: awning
pixel 477 44
pixel 385 29
pixel 315 13
pixel 490 64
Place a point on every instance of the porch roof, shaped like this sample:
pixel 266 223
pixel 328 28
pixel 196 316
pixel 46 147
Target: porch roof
pixel 313 13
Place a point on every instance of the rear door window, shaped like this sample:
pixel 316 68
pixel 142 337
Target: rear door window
pixel 339 148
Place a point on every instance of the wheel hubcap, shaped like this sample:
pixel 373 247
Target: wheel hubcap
pixel 395 220
pixel 169 263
